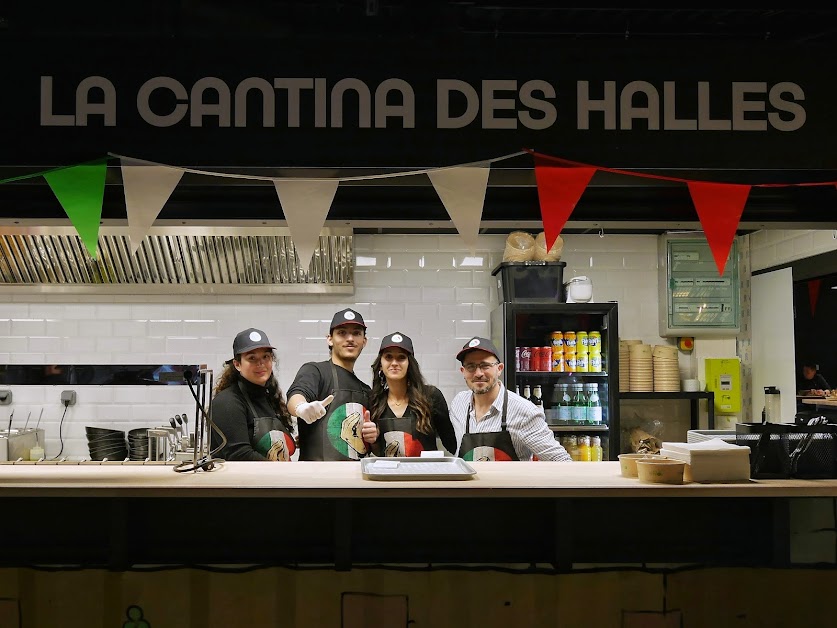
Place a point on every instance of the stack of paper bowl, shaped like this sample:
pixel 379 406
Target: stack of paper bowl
pixel 642 373
pixel 666 368
pixel 627 463
pixel 661 470
pixel 625 364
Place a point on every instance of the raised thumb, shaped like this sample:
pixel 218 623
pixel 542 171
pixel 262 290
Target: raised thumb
pixel 327 400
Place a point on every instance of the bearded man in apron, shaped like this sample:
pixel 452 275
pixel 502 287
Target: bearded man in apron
pixel 329 399
pixel 248 407
pixel 492 423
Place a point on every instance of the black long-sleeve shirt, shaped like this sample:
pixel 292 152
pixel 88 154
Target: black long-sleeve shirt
pixel 817 382
pixel 231 414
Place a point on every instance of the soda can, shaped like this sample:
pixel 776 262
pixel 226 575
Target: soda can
pixel 582 341
pixel 570 362
pixel 582 365
pixel 558 362
pixel 545 361
pixel 517 358
pixel 595 362
pixel 569 341
pixel 525 358
pixel 594 341
pixel 557 340
pixel 535 360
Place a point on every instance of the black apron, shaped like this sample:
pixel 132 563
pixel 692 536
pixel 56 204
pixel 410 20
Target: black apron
pixel 337 435
pixel 270 436
pixel 400 436
pixel 488 445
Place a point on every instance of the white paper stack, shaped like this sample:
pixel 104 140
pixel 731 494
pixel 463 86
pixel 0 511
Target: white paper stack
pixel 713 460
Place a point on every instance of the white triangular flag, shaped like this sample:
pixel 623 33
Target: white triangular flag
pixel 306 205
pixel 147 187
pixel 462 190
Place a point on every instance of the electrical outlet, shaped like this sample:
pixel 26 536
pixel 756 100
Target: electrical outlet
pixel 5 397
pixel 68 397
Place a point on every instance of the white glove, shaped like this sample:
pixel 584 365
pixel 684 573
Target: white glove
pixel 313 410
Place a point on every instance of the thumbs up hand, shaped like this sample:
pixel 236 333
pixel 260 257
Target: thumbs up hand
pixel 311 411
pixel 369 431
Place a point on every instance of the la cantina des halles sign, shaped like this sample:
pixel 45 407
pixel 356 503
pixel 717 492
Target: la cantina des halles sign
pixel 489 104
pixel 418 108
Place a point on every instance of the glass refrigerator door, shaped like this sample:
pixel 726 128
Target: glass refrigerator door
pixel 549 345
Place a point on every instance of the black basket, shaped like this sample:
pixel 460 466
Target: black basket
pixel 530 281
pixel 785 450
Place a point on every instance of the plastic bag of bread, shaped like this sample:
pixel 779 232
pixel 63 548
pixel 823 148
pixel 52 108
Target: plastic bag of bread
pixel 520 247
pixel 553 254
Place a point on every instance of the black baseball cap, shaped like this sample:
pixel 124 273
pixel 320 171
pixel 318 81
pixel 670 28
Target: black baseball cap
pixel 250 339
pixel 346 317
pixel 397 339
pixel 478 344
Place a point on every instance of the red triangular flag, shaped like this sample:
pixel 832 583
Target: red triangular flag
pixel 558 192
pixel 813 294
pixel 719 207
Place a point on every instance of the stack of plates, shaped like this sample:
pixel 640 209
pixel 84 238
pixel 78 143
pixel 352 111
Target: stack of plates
pixel 642 374
pixel 138 443
pixel 625 364
pixel 666 368
pixel 105 443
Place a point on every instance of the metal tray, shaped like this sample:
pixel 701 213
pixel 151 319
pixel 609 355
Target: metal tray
pixel 447 468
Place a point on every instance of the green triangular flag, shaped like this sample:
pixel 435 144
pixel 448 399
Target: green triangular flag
pixel 81 192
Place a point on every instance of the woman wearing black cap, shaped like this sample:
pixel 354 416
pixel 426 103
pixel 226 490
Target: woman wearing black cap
pixel 249 407
pixel 409 412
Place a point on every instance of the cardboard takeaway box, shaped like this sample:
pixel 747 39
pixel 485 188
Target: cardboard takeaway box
pixel 712 460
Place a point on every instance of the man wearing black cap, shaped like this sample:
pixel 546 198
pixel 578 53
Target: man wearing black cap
pixel 492 423
pixel 329 399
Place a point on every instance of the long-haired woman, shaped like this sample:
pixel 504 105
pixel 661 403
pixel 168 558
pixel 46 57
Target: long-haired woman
pixel 249 407
pixel 410 413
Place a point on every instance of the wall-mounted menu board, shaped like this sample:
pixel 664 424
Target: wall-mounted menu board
pixel 695 300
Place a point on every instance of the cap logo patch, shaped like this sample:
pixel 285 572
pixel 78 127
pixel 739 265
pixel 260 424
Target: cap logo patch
pixel 349 316
pixel 255 336
pixel 397 338
pixel 474 343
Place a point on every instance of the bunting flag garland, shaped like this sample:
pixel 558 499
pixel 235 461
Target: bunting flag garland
pixel 81 192
pixel 306 205
pixel 462 192
pixel 719 206
pixel 147 188
pixel 558 192
pixel 306 201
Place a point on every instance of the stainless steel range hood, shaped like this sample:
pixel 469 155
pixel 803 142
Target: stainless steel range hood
pixel 174 260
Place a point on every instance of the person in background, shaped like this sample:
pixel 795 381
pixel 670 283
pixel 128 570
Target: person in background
pixel 331 401
pixel 248 406
pixel 493 423
pixel 812 383
pixel 409 412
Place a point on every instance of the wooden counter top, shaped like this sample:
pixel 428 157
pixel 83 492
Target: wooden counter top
pixel 343 479
pixel 820 401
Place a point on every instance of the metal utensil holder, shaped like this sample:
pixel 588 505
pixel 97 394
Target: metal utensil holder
pixel 203 409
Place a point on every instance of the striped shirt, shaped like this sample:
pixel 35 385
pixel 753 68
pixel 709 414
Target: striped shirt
pixel 524 420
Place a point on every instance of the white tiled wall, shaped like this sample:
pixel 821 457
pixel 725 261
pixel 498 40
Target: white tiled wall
pixel 427 286
pixel 771 248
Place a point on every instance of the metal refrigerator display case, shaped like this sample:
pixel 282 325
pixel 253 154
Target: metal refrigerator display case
pixel 530 324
